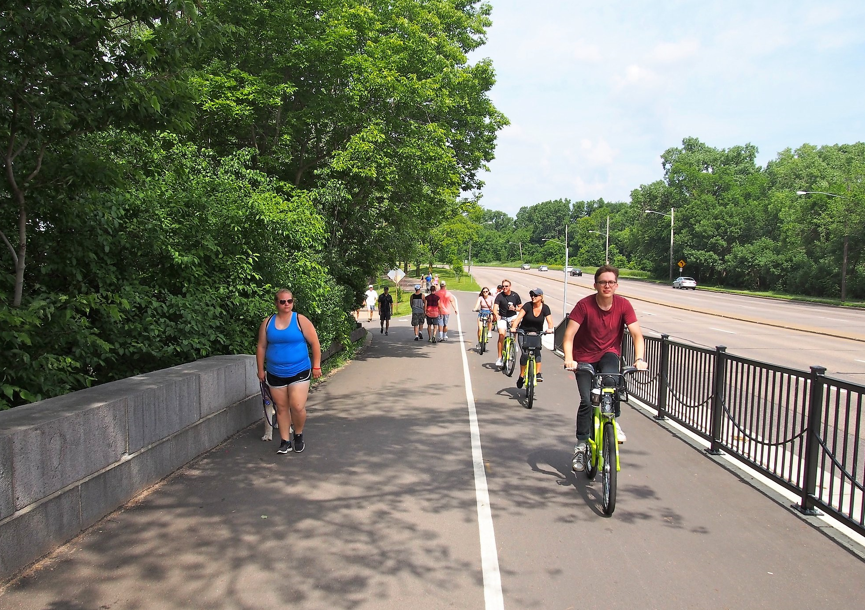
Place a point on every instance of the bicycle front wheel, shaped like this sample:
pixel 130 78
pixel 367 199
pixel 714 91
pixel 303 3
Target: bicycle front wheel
pixel 530 384
pixel 609 472
pixel 483 345
pixel 511 361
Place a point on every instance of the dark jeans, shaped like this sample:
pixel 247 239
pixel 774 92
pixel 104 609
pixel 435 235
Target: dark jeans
pixel 609 363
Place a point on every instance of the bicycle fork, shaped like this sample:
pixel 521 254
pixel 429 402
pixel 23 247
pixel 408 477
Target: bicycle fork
pixel 597 454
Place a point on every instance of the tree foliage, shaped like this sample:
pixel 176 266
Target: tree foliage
pixel 170 164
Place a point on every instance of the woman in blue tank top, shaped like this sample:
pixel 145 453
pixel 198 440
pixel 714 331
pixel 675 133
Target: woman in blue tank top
pixel 284 362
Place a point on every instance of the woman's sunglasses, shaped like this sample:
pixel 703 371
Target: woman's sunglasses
pixel 286 301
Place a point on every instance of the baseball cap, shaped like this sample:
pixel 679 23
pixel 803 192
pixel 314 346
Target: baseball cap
pixel 537 292
pixel 443 283
pixel 370 285
pixel 417 286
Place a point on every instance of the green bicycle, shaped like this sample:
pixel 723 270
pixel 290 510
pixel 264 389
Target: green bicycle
pixel 530 343
pixel 602 449
pixel 509 354
pixel 484 320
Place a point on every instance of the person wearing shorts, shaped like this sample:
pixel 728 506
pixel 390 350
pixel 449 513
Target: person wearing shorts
pixel 506 309
pixel 447 304
pixel 385 309
pixel 371 300
pixel 283 359
pixel 418 317
pixel 484 305
pixel 432 314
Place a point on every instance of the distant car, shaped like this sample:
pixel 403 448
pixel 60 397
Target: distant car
pixel 526 267
pixel 543 268
pixel 576 272
pixel 685 282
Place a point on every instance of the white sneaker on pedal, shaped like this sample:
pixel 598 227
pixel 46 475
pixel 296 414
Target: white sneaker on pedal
pixel 499 363
pixel 620 434
pixel 578 462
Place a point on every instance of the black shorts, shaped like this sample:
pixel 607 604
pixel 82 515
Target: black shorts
pixel 275 381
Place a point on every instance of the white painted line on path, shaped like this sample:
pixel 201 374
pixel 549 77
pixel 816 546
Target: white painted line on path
pixel 857 360
pixel 489 556
pixel 721 330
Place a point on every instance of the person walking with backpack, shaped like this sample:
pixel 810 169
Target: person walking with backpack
pixel 432 314
pixel 418 305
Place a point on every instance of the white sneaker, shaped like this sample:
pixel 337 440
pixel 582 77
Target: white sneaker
pixel 620 434
pixel 445 338
pixel 578 462
pixel 499 363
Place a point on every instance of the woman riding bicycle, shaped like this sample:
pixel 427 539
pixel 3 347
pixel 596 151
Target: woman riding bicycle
pixel 531 318
pixel 484 305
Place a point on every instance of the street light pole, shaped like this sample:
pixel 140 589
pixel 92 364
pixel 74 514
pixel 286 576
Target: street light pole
pixel 565 295
pixel 672 216
pixel 846 238
pixel 607 246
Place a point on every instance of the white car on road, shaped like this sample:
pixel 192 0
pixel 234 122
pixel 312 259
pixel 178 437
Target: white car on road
pixel 685 282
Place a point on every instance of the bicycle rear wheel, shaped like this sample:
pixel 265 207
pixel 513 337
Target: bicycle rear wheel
pixel 530 384
pixel 511 361
pixel 609 469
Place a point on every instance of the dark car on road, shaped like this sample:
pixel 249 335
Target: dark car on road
pixel 576 272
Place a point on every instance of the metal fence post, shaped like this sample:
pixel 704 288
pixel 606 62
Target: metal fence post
pixel 718 399
pixel 663 377
pixel 812 442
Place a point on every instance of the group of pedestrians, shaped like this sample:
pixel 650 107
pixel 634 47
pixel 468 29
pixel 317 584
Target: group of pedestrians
pixel 434 309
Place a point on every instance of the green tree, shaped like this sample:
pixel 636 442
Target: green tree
pixel 75 66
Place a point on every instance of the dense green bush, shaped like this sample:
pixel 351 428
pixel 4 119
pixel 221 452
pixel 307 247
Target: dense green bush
pixel 179 263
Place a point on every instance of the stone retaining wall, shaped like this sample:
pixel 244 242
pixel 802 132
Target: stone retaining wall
pixel 68 461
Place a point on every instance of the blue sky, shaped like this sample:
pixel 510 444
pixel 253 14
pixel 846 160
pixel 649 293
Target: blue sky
pixel 597 91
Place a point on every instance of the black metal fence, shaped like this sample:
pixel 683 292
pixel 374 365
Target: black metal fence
pixel 801 429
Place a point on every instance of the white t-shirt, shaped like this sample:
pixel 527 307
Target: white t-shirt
pixel 371 297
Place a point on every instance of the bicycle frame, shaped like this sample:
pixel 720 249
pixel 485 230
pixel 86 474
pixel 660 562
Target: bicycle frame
pixel 603 410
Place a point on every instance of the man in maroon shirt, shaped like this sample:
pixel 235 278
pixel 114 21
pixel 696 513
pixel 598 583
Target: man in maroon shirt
pixel 594 334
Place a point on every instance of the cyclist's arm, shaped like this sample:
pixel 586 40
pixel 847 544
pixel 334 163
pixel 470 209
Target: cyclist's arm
pixel 550 324
pixel 516 322
pixel 568 344
pixel 639 346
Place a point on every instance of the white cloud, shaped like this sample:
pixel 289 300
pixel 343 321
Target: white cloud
pixel 637 76
pixel 584 51
pixel 670 52
pixel 597 153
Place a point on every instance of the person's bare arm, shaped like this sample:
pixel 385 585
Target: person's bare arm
pixel 639 346
pixel 568 344
pixel 311 337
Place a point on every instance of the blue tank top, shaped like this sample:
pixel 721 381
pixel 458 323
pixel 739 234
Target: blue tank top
pixel 287 352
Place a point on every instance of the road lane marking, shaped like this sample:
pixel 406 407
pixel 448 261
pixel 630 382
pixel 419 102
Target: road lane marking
pixel 721 330
pixel 493 598
pixel 857 360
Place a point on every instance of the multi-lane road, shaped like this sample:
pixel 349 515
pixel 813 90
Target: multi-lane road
pixel 792 334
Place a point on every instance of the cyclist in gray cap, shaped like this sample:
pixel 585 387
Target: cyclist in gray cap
pixel 531 318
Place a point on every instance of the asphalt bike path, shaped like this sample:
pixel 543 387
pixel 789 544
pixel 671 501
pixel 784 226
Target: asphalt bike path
pixel 686 533
pixel 398 502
